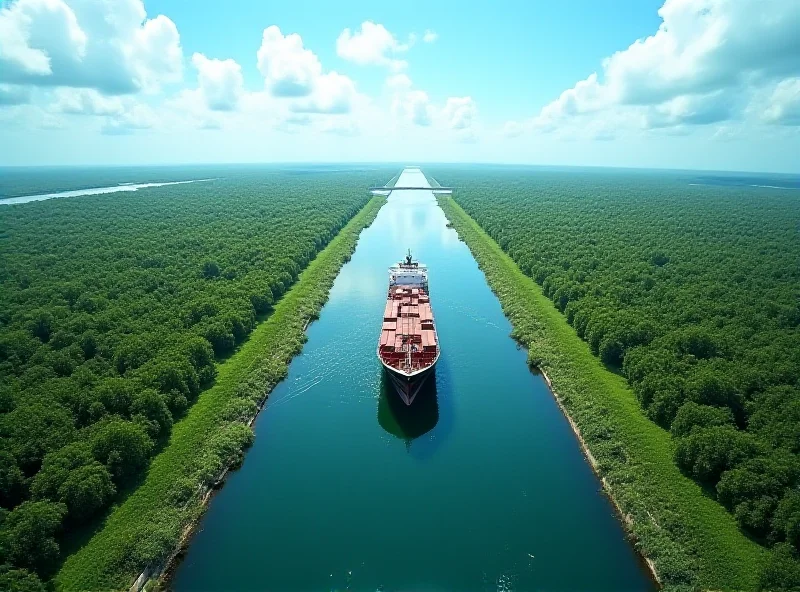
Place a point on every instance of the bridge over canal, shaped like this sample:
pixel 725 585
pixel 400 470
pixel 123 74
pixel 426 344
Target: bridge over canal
pixel 434 189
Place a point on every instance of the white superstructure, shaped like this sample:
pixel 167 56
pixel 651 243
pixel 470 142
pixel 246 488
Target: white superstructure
pixel 404 275
pixel 409 273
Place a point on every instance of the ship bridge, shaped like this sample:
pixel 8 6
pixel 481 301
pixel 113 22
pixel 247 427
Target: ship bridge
pixel 403 275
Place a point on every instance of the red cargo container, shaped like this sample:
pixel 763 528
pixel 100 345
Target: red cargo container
pixel 428 340
pixel 425 312
pixel 388 312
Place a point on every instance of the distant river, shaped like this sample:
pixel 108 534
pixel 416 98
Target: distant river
pixel 92 191
pixel 480 486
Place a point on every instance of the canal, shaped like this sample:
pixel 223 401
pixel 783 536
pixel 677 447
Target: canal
pixel 479 486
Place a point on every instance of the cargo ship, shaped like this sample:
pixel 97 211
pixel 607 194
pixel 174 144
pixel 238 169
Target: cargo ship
pixel 409 346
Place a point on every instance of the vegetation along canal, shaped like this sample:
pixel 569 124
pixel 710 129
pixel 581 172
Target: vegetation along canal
pixel 480 485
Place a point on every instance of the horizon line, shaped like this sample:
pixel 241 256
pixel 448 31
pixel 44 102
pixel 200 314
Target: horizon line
pixel 390 162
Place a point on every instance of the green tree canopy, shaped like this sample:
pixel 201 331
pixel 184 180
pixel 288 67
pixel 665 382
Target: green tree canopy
pixel 30 531
pixel 123 447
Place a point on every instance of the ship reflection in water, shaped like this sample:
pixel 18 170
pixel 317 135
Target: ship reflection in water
pixel 408 422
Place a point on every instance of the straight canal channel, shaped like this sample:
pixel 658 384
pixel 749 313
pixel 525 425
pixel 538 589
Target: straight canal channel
pixel 480 485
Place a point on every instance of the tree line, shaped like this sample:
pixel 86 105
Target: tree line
pixel 116 310
pixel 693 294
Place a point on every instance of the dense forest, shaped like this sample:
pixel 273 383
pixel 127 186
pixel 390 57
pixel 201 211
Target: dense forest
pixel 18 181
pixel 114 311
pixel 692 292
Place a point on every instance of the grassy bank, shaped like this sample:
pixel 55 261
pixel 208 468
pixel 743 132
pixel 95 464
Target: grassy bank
pixel 145 529
pixel 394 179
pixel 692 542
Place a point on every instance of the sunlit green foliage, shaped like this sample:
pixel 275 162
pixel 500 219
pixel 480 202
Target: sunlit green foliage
pixel 115 310
pixel 19 580
pixel 28 538
pixel 73 476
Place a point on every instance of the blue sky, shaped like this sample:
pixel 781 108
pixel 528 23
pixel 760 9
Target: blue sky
pixel 709 84
pixel 490 71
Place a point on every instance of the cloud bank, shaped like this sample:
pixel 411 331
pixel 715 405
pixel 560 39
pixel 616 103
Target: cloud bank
pixel 707 63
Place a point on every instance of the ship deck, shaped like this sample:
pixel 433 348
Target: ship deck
pixel 408 337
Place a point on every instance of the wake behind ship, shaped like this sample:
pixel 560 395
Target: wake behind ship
pixel 409 346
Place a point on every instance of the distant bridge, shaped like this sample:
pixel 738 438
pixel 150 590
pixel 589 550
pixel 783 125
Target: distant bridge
pixel 443 189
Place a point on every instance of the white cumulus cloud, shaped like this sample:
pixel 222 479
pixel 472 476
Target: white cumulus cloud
pixel 417 108
pixel 332 93
pixel 372 45
pixel 291 70
pixel 288 68
pixel 705 59
pixel 784 103
pixel 110 46
pixel 31 30
pixel 156 53
pixel 86 101
pixel 408 104
pixel 430 36
pixel 706 45
pixel 691 110
pixel 220 81
pixel 460 112
pixel 118 114
pixel 138 117
pixel 413 106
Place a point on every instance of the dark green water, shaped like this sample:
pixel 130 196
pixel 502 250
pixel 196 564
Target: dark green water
pixel 480 486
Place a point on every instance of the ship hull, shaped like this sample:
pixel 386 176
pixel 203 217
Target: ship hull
pixel 407 386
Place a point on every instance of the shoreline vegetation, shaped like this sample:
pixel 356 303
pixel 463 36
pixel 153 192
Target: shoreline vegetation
pixel 142 534
pixel 394 179
pixel 689 540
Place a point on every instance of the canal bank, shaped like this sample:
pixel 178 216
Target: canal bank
pixel 687 538
pixel 145 528
pixel 481 487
